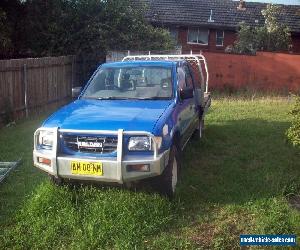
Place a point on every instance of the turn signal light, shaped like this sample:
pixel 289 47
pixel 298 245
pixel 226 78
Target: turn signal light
pixel 138 168
pixel 44 161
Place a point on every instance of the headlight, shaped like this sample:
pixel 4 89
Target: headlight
pixel 140 143
pixel 143 143
pixel 45 139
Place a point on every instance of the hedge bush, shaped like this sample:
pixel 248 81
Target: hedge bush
pixel 293 133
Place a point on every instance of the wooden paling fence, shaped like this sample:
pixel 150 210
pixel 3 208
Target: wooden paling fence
pixel 30 86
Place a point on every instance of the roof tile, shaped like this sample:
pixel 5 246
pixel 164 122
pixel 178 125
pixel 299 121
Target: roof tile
pixel 225 13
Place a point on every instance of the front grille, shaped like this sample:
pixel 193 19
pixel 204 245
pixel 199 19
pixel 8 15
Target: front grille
pixel 91 144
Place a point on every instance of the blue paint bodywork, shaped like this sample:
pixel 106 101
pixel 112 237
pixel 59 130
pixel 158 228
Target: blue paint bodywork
pixel 131 115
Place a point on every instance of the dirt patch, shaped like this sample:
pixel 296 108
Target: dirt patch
pixel 203 235
pixel 294 202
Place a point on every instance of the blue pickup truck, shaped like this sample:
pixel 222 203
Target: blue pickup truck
pixel 130 122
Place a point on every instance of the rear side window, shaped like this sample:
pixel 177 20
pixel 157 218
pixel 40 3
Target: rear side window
pixel 185 79
pixel 181 78
pixel 188 77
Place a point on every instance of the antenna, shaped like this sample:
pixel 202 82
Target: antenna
pixel 210 20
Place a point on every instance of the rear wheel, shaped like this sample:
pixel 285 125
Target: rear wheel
pixel 167 182
pixel 198 134
pixel 200 128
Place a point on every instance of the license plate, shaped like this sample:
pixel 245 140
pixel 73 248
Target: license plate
pixel 86 168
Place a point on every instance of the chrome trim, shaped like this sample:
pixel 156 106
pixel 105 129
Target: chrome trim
pixel 111 168
pixel 52 153
pixel 158 162
pixel 120 154
pixel 115 132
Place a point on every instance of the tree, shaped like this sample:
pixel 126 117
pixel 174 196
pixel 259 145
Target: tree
pixel 59 27
pixel 246 43
pixel 12 33
pixel 273 36
pixel 5 42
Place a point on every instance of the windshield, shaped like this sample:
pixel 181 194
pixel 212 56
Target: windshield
pixel 131 83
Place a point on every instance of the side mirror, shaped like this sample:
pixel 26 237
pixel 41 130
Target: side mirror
pixel 186 93
pixel 76 92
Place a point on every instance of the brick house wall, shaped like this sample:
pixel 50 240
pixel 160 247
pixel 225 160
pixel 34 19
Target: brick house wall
pixel 213 15
pixel 296 43
pixel 266 72
pixel 230 37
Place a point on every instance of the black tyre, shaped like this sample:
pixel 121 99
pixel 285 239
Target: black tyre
pixel 167 182
pixel 56 180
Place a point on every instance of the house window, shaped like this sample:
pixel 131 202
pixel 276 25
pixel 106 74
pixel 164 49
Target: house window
pixel 174 34
pixel 219 37
pixel 199 36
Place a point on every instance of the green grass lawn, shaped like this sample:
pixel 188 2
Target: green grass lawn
pixel 235 181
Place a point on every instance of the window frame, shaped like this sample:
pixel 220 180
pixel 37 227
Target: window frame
pixel 180 77
pixel 188 75
pixel 175 31
pixel 84 95
pixel 202 44
pixel 218 45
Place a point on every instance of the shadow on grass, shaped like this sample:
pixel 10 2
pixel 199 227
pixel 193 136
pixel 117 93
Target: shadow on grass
pixel 237 162
pixel 235 180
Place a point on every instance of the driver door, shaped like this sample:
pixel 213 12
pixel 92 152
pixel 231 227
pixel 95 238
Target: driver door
pixel 187 107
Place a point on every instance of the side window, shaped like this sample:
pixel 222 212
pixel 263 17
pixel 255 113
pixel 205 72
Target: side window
pixel 219 37
pixel 188 77
pixel 181 78
pixel 199 36
pixel 174 34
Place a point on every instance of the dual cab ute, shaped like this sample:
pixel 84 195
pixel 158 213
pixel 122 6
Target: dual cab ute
pixel 130 122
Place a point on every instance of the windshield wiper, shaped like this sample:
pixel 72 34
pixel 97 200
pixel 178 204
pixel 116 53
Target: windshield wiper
pixel 112 98
pixel 128 98
pixel 155 98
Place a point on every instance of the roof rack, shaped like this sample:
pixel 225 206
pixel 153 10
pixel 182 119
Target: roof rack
pixel 191 58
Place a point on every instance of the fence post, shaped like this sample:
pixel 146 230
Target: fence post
pixel 25 89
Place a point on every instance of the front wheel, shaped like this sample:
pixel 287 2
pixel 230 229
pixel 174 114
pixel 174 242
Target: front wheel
pixel 169 178
pixel 57 181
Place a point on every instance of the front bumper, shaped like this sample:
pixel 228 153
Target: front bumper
pixel 114 169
